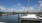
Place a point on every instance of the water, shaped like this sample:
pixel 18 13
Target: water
pixel 11 18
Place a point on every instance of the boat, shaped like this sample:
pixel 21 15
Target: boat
pixel 30 18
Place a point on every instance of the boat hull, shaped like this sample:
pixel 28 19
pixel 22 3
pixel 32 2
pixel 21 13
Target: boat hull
pixel 29 21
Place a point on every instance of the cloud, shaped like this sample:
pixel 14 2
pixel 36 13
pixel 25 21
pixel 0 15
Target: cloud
pixel 40 1
pixel 31 9
pixel 12 10
pixel 35 8
pixel 40 6
pixel 20 8
pixel 2 8
pixel 19 4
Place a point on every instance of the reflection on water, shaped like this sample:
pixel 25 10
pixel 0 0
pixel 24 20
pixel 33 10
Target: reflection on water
pixel 0 18
pixel 10 18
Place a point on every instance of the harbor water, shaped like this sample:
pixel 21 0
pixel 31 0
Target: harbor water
pixel 11 18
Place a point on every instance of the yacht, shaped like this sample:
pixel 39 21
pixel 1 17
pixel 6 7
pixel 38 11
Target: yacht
pixel 30 18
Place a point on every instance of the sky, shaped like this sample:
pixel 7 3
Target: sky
pixel 20 5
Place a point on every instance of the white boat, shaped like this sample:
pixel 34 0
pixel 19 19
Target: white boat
pixel 4 14
pixel 30 18
pixel 3 22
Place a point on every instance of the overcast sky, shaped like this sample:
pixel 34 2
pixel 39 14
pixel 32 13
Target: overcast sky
pixel 20 5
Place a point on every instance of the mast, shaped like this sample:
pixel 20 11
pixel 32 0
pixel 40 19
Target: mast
pixel 28 5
